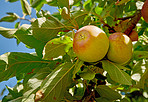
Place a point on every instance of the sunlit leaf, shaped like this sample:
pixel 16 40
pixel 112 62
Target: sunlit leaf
pixel 57 47
pixel 6 32
pixel 45 30
pixel 10 18
pixel 38 4
pixel 24 35
pixel 19 64
pixel 54 86
pixel 115 72
pixel 26 7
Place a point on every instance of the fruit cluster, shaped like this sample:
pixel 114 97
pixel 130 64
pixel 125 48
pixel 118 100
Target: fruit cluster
pixel 91 44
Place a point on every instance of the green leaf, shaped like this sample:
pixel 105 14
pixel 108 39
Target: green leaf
pixel 19 64
pixel 102 99
pixel 140 55
pixel 123 1
pixel 38 4
pixel 143 79
pixel 6 32
pixel 45 30
pixel 108 93
pixel 63 3
pixel 2 65
pixel 24 35
pixel 65 13
pixel 87 74
pixel 77 67
pixel 54 86
pixel 138 67
pixel 12 1
pixel 26 7
pixel 33 83
pixel 10 18
pixel 57 47
pixel 98 10
pixel 115 72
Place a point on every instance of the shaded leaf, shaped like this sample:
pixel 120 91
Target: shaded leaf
pixel 77 67
pixel 57 47
pixel 143 79
pixel 115 72
pixel 54 86
pixel 123 1
pixel 108 93
pixel 12 1
pixel 87 74
pixel 26 7
pixel 137 67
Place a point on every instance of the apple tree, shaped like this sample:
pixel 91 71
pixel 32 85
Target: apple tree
pixel 54 72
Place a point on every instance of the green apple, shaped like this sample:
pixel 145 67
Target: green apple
pixel 120 48
pixel 90 43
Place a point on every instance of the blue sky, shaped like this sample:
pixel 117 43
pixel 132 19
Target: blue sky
pixel 10 45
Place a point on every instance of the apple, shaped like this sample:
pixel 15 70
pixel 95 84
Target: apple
pixel 90 43
pixel 144 11
pixel 120 48
pixel 133 35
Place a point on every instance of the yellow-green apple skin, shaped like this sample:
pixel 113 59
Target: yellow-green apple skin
pixel 120 48
pixel 90 43
pixel 144 11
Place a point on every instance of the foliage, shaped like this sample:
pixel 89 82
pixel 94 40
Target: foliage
pixel 54 72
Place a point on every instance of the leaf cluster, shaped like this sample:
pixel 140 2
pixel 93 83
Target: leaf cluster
pixel 54 73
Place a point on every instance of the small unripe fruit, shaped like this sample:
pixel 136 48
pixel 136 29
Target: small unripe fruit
pixel 120 49
pixel 134 36
pixel 90 43
pixel 144 11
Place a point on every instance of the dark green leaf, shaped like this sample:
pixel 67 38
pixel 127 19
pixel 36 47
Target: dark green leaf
pixel 12 1
pixel 54 86
pixel 57 47
pixel 108 93
pixel 77 67
pixel 2 65
pixel 123 1
pixel 102 99
pixel 26 7
pixel 115 72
